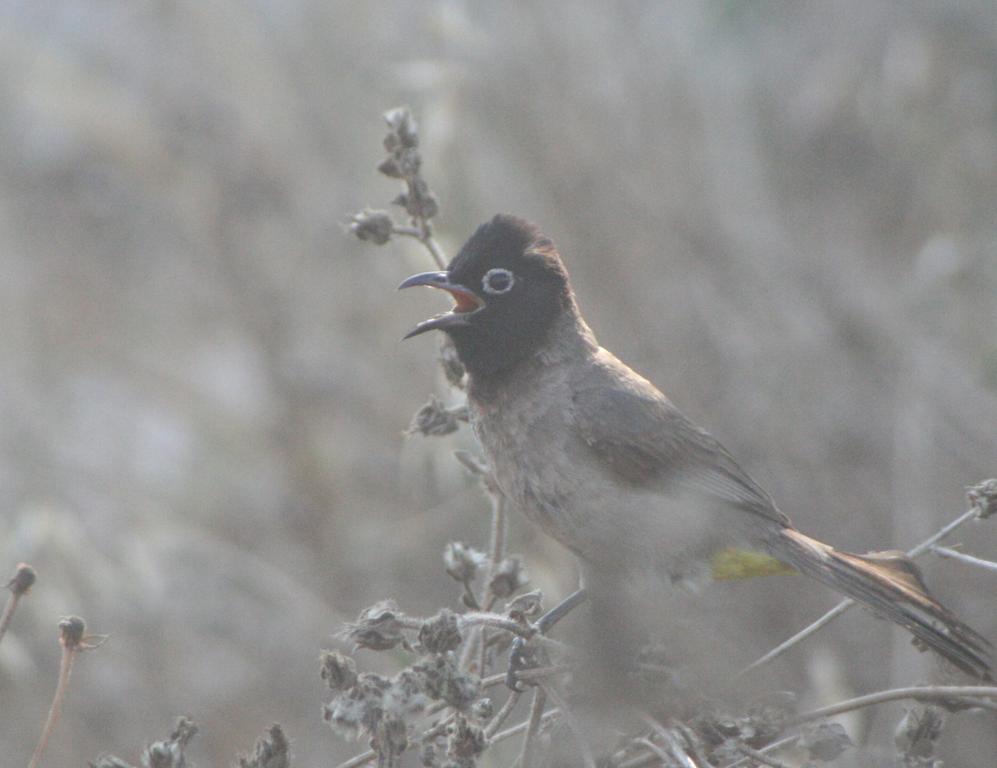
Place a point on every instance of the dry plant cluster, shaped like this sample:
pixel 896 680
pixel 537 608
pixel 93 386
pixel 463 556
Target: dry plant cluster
pixel 456 699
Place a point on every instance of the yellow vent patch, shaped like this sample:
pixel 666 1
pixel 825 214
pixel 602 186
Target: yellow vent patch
pixel 730 564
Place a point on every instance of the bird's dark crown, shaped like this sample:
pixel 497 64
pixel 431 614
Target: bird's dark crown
pixel 510 326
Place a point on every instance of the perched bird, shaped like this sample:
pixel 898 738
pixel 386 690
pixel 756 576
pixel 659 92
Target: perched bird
pixel 604 463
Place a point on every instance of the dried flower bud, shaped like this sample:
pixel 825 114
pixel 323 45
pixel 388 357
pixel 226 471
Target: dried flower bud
pixel 443 680
pixel 420 202
pixel 466 741
pixel 24 578
pixel 372 225
pixel 462 561
pixel 434 419
pixel 359 708
pixel 440 633
pixel 825 741
pixel 390 738
pixel 404 130
pixel 272 751
pixel 526 607
pixel 983 498
pixel 71 630
pixel 483 709
pixel 169 752
pixel 379 627
pixel 338 671
pixel 510 576
pixel 918 732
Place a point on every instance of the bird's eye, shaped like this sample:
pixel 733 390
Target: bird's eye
pixel 497 281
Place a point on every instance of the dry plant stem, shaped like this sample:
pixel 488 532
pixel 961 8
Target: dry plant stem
pixel 424 235
pixel 8 613
pixel 926 693
pixel 515 730
pixel 502 714
pixel 773 747
pixel 847 603
pixel 583 746
pixel 496 554
pixel 532 728
pixel 962 557
pixel 760 757
pixel 69 652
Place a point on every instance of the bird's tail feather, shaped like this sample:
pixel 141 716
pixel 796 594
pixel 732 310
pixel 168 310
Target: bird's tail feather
pixel 890 585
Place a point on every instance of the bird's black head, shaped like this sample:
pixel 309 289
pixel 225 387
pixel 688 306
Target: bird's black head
pixel 509 286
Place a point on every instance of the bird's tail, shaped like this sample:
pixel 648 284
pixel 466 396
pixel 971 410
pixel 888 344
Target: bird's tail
pixel 890 585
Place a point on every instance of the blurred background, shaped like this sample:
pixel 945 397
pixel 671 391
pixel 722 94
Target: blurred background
pixel 783 214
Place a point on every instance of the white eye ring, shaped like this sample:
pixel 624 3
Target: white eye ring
pixel 486 281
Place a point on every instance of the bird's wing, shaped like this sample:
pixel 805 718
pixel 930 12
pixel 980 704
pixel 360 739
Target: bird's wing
pixel 645 441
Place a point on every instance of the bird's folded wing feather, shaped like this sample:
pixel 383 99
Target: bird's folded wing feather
pixel 645 441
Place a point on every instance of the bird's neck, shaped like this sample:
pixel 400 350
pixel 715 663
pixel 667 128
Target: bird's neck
pixel 568 338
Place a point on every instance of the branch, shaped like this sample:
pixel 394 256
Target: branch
pixel 962 557
pixel 977 695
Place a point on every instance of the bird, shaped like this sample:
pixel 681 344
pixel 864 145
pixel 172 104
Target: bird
pixel 602 461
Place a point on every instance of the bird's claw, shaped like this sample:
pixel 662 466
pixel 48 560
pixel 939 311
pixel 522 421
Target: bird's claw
pixel 520 658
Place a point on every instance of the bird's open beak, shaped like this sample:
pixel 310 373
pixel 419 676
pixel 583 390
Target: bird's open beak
pixel 466 302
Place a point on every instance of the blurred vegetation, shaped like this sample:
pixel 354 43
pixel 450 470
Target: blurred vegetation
pixel 782 214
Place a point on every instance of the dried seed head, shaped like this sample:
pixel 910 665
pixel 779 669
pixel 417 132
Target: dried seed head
pixel 379 627
pixel 169 753
pixel 24 578
pixel 918 732
pixel 483 709
pixel 825 741
pixel 440 633
pixel 526 607
pixel 71 631
pixel 443 680
pixel 462 561
pixel 403 130
pixel 510 576
pixel 983 498
pixel 272 751
pixel 338 670
pixel 372 225
pixel 435 419
pixel 358 709
pixel 390 738
pixel 465 741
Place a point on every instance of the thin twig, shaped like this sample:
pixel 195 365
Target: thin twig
pixel 426 238
pixel 503 714
pixel 771 747
pixel 847 603
pixel 962 557
pixel 515 730
pixel 19 585
pixel 760 757
pixel 496 554
pixel 532 728
pixel 925 693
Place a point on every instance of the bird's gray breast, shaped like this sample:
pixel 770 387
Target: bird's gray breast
pixel 538 460
pixel 544 466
